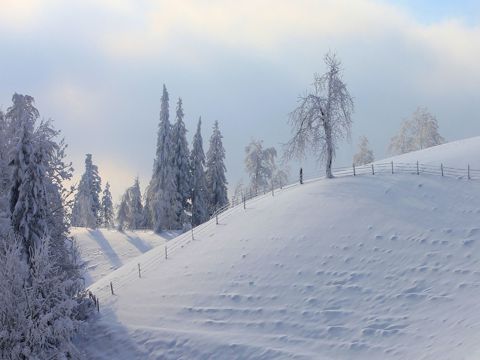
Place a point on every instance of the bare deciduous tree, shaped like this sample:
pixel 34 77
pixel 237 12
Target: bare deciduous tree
pixel 323 116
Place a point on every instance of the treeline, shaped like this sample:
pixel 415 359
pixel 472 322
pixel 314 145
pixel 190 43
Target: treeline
pixel 42 298
pixel 185 189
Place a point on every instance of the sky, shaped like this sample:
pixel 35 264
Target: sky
pixel 96 67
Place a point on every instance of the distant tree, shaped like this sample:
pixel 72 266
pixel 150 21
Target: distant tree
pixel 216 180
pixel 106 211
pixel 280 177
pixel 86 207
pixel 364 154
pixel 199 197
pixel 323 116
pixel 260 165
pixel 161 190
pixel 418 132
pixel 130 211
pixel 238 192
pixel 181 167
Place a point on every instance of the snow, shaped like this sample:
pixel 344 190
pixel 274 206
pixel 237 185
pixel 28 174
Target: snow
pixel 371 267
pixel 104 251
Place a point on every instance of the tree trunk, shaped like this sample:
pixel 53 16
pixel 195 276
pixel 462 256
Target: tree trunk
pixel 329 154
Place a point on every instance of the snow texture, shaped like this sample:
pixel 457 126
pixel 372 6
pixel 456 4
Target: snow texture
pixel 371 267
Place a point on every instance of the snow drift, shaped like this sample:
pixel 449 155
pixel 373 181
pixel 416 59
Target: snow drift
pixel 371 267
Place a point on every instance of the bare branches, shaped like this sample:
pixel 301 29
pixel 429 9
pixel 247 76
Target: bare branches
pixel 322 117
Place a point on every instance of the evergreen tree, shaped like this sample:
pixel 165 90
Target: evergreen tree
pixel 107 208
pixel 199 191
pixel 161 190
pixel 37 270
pixel 181 166
pixel 28 199
pixel 130 211
pixel 86 208
pixel 215 175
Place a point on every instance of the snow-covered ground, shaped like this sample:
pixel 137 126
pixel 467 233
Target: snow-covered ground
pixel 371 267
pixel 104 251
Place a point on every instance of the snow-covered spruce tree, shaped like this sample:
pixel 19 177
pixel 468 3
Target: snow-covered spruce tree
pixel 181 167
pixel 260 165
pixel 161 190
pixel 28 197
pixel 364 154
pixel 106 211
pixel 216 180
pixel 37 272
pixel 418 132
pixel 130 211
pixel 86 207
pixel 323 116
pixel 199 188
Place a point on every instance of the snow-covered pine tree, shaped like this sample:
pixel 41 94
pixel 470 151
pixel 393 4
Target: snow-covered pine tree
pixel 364 154
pixel 130 211
pixel 199 190
pixel 181 166
pixel 106 212
pixel 161 190
pixel 215 174
pixel 86 208
pixel 28 198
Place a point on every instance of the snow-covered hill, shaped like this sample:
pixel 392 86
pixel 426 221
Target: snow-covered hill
pixel 371 267
pixel 104 251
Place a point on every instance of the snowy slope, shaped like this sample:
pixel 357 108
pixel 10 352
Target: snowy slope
pixel 103 250
pixel 372 267
pixel 457 154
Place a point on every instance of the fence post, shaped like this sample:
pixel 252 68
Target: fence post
pixel 98 304
pixel 111 288
pixel 418 171
pixel 139 271
pixel 193 238
pixel 166 254
pixel 216 217
pixel 468 171
pixel 354 170
pixel 441 168
pixel 273 192
pixel 244 202
pixel 373 170
pixel 392 167
pixel 301 176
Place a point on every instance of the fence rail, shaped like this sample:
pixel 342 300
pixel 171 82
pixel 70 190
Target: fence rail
pixel 112 283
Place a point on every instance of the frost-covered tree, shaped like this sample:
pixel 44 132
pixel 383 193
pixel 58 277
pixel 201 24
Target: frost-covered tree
pixel 418 132
pixel 216 180
pixel 106 210
pixel 86 208
pixel 199 188
pixel 41 298
pixel 181 166
pixel 260 165
pixel 130 210
pixel 364 154
pixel 280 177
pixel 37 312
pixel 28 198
pixel 161 190
pixel 323 116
